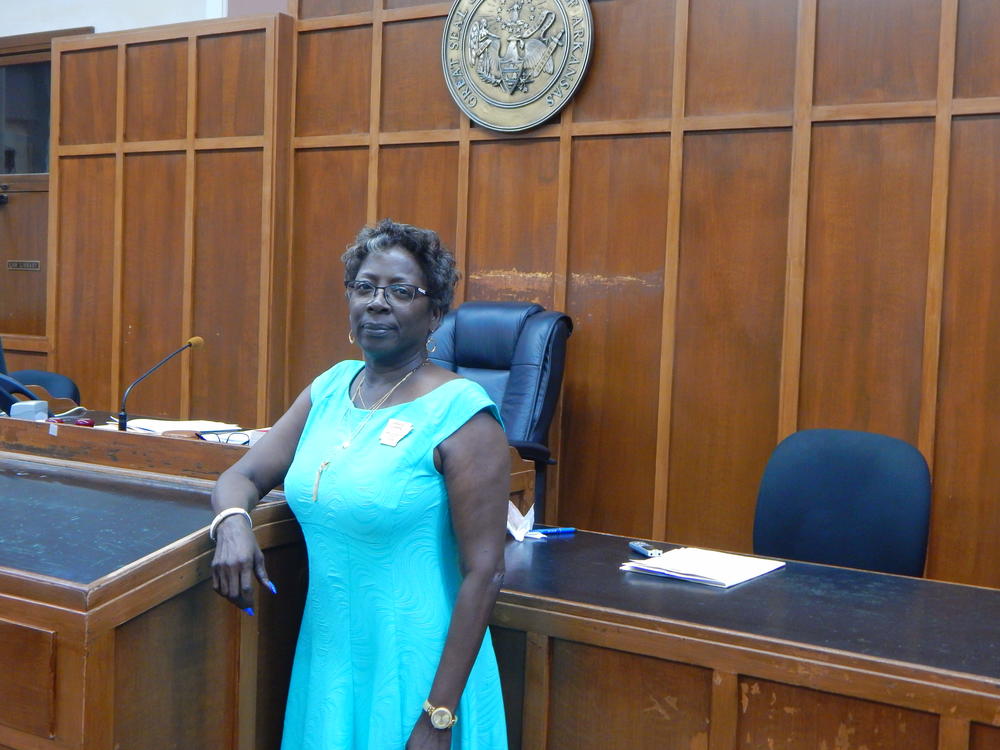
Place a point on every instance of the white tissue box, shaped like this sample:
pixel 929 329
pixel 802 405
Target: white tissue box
pixel 33 411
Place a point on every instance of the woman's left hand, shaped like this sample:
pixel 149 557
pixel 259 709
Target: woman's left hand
pixel 426 737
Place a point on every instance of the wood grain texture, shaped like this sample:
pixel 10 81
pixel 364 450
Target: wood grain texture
pixel 23 236
pixel 85 244
pixel 876 52
pixel 87 96
pixel 967 475
pixel 728 332
pixel 412 99
pixel 226 285
pixel 866 270
pixel 27 693
pixel 417 185
pixel 231 84
pixel 513 194
pixel 614 295
pixel 156 90
pixel 631 68
pixel 662 704
pixel 320 8
pixel 741 57
pixel 784 717
pixel 153 279
pixel 977 52
pixel 983 737
pixel 329 211
pixel 334 75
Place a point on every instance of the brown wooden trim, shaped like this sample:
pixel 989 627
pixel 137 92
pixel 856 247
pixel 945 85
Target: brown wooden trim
pixel 246 700
pixel 30 182
pixel 417 12
pixel 738 122
pixel 334 22
pixel 231 142
pixel 953 732
pixel 117 253
pixel 544 131
pixel 375 115
pixel 52 220
pixel 190 165
pixel 25 58
pixel 348 140
pixel 462 213
pixel 873 111
pixel 724 721
pixel 37 41
pixel 80 149
pixel 168 32
pixel 419 136
pixel 622 127
pixel 99 680
pixel 13 342
pixel 535 719
pixel 671 274
pixel 798 217
pixel 293 113
pixel 938 231
pixel 987 105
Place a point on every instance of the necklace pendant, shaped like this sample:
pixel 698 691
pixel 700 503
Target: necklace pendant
pixel 345 445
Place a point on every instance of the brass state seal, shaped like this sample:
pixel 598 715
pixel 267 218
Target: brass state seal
pixel 512 64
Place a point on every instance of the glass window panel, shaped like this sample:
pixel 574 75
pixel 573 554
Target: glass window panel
pixel 24 118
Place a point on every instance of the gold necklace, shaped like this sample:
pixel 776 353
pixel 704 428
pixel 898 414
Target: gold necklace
pixel 357 430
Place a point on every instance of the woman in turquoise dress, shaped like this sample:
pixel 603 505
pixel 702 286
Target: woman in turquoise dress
pixel 397 471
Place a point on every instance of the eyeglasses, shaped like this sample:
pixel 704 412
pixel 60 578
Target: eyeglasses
pixel 229 437
pixel 399 294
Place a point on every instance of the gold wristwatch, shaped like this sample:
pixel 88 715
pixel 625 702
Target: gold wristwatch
pixel 441 717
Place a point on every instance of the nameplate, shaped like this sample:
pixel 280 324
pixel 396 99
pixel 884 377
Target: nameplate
pixel 24 265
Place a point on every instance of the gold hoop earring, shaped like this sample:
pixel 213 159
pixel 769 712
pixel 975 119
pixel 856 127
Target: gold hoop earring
pixel 431 346
pixel 350 337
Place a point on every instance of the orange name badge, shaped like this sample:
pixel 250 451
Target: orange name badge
pixel 394 431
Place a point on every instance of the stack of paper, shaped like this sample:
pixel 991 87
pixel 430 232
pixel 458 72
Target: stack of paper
pixel 159 426
pixel 721 569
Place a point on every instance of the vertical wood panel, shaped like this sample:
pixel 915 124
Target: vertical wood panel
pixel 412 99
pixel 728 332
pixel 23 237
pixel 156 90
pixel 967 473
pixel 86 243
pixel 785 717
pixel 631 67
pixel 329 211
pixel 231 84
pixel 977 55
pixel 334 75
pixel 617 235
pixel 984 737
pixel 153 278
pixel 513 193
pixel 320 8
pixel 741 57
pixel 876 51
pixel 417 185
pixel 227 285
pixel 87 96
pixel 663 704
pixel 866 274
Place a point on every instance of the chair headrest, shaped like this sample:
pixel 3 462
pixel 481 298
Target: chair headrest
pixel 496 327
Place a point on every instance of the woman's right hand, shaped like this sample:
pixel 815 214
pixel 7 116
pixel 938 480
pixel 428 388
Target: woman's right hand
pixel 237 560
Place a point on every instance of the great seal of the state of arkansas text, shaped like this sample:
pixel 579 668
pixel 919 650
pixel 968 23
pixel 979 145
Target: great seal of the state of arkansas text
pixel 512 64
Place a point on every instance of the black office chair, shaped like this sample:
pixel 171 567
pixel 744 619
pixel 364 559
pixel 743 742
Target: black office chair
pixel 847 498
pixel 516 351
pixel 57 385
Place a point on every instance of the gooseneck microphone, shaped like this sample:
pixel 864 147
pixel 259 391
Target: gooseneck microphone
pixel 192 343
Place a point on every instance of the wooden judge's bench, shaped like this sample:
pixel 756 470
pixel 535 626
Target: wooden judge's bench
pixel 112 638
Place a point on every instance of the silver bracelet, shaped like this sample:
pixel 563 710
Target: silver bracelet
pixel 223 515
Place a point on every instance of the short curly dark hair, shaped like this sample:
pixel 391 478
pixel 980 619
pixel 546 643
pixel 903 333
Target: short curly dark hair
pixel 435 260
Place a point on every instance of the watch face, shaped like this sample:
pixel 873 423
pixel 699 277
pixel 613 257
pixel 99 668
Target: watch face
pixel 441 718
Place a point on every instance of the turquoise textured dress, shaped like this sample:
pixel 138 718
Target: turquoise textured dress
pixel 383 574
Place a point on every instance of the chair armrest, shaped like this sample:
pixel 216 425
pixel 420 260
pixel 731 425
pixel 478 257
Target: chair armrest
pixel 532 451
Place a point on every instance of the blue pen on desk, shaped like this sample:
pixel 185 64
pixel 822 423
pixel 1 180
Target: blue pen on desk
pixel 555 530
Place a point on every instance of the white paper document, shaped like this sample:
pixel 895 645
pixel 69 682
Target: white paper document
pixel 159 426
pixel 712 568
pixel 518 525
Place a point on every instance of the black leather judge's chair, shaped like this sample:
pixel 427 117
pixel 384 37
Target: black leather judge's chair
pixel 848 498
pixel 57 385
pixel 516 351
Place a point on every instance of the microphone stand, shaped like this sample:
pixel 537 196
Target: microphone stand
pixel 193 342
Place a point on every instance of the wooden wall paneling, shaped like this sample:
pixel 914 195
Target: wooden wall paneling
pixel 86 221
pixel 375 115
pixel 413 98
pixel 23 292
pixel 983 737
pixel 153 277
pixel 728 332
pixel 786 717
pixel 590 707
pixel 161 718
pixel 187 293
pixel 876 52
pixel 418 184
pixel 156 86
pixel 977 63
pixel 17 360
pixel 87 96
pixel 230 84
pixel 967 474
pixel 510 647
pixel 329 209
pixel 631 68
pixel 870 186
pixel 617 234
pixel 321 8
pixel 798 206
pixel 226 286
pixel 938 228
pixel 741 57
pixel 724 720
pixel 119 230
pixel 513 196
pixel 333 81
